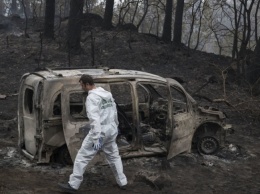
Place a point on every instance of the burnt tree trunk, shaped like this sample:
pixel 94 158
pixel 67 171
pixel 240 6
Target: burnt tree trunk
pixel 178 22
pixel 237 16
pixel 49 19
pixel 257 49
pixel 14 7
pixel 26 19
pixel 253 70
pixel 107 23
pixel 28 8
pixel 256 19
pixel 167 26
pixel 74 27
pixel 146 6
pixel 66 9
pixel 256 55
pixel 246 28
pixel 2 7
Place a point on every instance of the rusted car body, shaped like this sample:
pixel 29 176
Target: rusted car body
pixel 156 115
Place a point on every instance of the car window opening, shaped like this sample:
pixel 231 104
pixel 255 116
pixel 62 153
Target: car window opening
pixel 28 100
pixel 123 99
pixel 57 106
pixel 77 105
pixel 153 108
pixel 179 101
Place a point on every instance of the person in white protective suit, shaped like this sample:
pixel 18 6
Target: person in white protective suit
pixel 102 114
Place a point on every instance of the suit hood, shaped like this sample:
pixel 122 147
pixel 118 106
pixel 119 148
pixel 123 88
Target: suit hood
pixel 101 92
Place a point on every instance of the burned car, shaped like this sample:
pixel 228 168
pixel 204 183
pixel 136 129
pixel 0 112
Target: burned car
pixel 156 115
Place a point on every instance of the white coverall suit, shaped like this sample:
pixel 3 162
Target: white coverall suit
pixel 102 114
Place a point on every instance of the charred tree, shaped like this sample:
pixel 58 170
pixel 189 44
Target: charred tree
pixel 26 19
pixel 256 57
pixel 178 22
pixel 40 8
pixel 257 50
pixel 194 12
pixel 1 7
pixel 253 70
pixel 27 8
pixel 167 26
pixel 136 7
pixel 13 7
pixel 200 25
pixel 74 27
pixel 256 21
pixel 146 6
pixel 237 16
pixel 66 9
pixel 246 33
pixel 107 22
pixel 49 19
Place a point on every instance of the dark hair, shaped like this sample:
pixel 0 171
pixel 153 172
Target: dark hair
pixel 86 79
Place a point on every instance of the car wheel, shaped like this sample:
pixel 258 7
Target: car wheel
pixel 208 145
pixel 63 156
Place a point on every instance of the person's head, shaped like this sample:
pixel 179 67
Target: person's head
pixel 86 82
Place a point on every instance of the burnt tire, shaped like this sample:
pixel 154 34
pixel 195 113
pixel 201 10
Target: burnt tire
pixel 208 145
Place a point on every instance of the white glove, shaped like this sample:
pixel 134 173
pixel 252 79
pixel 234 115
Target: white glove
pixel 97 145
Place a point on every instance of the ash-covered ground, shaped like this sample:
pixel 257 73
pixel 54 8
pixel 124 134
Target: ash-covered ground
pixel 235 169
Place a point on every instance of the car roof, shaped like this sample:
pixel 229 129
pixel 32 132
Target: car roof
pixel 96 73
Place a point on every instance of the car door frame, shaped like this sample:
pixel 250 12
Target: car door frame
pixel 168 128
pixel 71 127
pixel 182 125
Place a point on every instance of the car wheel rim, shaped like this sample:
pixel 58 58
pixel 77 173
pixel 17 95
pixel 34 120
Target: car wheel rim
pixel 208 145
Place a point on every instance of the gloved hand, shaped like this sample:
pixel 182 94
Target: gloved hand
pixel 98 144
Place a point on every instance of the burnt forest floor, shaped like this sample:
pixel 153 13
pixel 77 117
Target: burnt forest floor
pixel 235 169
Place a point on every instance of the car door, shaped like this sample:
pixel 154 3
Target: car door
pixel 74 119
pixel 154 108
pixel 183 122
pixel 29 119
pixel 123 95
